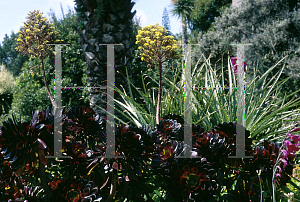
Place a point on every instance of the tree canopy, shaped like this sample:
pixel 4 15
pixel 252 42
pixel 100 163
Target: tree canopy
pixel 11 58
pixel 269 25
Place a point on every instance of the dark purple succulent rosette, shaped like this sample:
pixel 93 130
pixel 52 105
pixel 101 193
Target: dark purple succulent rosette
pixel 21 144
pixel 147 152
pixel 75 190
pixel 135 145
pixel 83 125
pixel 23 147
pixel 193 179
pixel 171 126
pixel 169 143
pixel 84 139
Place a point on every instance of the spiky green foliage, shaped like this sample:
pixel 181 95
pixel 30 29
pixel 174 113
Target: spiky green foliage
pixel 267 114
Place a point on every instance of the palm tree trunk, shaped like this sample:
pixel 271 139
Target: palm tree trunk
pixel 111 25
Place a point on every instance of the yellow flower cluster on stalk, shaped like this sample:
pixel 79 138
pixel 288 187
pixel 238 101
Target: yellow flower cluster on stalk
pixel 35 34
pixel 155 45
pixel 33 38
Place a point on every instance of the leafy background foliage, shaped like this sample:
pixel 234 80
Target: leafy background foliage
pixel 12 59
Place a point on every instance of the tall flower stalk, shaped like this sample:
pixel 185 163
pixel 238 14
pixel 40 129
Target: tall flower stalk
pixel 156 47
pixel 33 38
pixel 286 155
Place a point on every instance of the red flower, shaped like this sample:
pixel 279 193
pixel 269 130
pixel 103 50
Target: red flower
pixel 295 138
pixel 234 59
pixel 290 146
pixel 288 155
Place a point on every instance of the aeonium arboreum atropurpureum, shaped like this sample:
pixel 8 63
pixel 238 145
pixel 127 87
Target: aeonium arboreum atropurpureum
pixel 150 158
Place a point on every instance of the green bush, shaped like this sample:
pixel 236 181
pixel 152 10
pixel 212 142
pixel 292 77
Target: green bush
pixel 273 29
pixel 30 92
pixel 6 80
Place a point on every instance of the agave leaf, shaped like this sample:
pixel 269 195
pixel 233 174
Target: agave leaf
pixel 141 117
pixel 265 97
pixel 133 115
pixel 211 106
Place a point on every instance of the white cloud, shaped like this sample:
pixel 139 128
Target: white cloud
pixel 141 13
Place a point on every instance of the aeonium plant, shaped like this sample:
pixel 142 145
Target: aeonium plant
pixel 84 139
pixel 156 47
pixel 150 162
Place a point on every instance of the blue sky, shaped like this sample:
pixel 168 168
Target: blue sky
pixel 14 12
